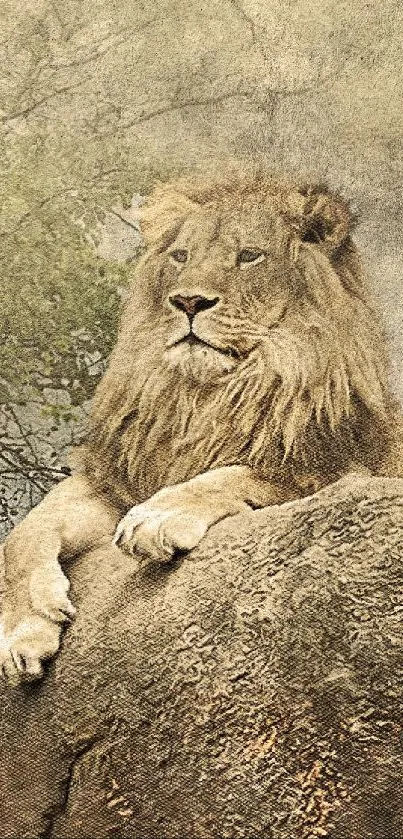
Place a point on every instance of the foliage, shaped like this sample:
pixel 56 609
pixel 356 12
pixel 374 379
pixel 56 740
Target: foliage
pixel 58 320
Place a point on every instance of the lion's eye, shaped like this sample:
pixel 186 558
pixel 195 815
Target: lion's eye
pixel 249 256
pixel 180 256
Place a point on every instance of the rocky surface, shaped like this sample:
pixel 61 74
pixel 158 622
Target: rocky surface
pixel 252 689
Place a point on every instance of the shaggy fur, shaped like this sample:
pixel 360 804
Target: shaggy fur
pixel 301 392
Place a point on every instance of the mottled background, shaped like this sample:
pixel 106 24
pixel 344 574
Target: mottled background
pixel 97 98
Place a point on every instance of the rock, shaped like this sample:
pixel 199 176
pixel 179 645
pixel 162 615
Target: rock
pixel 251 689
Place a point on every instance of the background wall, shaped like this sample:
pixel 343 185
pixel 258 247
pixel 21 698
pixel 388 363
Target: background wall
pixel 98 97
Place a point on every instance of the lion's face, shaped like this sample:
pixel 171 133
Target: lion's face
pixel 226 281
pixel 226 273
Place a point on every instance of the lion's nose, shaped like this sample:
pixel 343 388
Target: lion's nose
pixel 192 305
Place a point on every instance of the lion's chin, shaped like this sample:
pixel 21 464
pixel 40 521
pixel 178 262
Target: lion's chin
pixel 199 362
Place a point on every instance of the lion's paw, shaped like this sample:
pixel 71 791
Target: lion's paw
pixel 48 588
pixel 24 650
pixel 157 534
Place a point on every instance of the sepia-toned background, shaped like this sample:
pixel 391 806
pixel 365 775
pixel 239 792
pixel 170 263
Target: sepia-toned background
pixel 100 97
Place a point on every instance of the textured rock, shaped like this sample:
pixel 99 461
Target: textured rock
pixel 253 689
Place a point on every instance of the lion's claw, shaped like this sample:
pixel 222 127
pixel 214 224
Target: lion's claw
pixel 23 651
pixel 157 534
pixel 32 624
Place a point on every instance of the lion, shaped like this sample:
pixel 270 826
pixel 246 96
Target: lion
pixel 250 369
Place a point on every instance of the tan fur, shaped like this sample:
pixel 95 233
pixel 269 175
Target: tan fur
pixel 287 393
pixel 308 397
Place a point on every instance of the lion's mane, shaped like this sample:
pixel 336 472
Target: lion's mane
pixel 309 402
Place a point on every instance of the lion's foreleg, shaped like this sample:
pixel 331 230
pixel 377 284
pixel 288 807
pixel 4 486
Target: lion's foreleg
pixel 69 520
pixel 177 517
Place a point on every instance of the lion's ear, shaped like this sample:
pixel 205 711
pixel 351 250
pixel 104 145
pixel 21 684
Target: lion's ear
pixel 162 214
pixel 320 217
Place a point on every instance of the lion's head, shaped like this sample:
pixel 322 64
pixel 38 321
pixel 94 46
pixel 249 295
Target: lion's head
pixel 247 338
